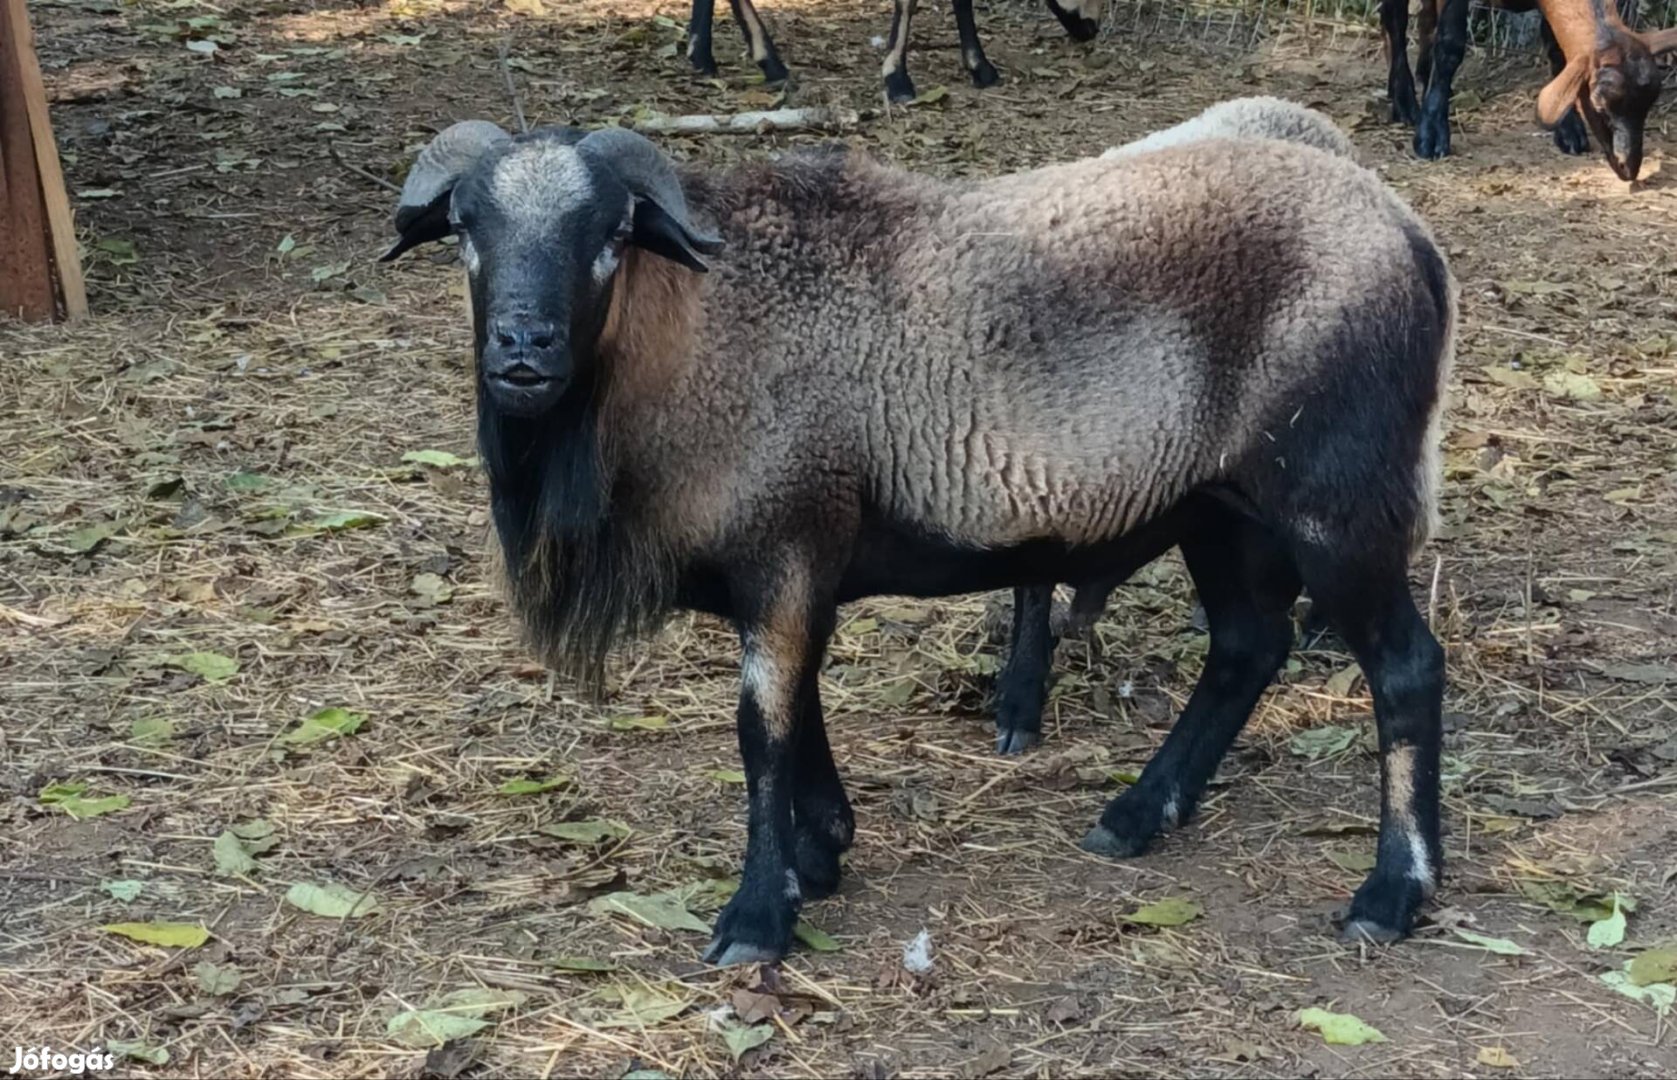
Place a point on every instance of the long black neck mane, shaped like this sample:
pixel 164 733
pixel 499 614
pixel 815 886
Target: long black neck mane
pixel 582 577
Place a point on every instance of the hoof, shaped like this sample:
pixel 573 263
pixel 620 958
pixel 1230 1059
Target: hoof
pixel 985 75
pixel 1383 910
pixel 774 72
pixel 1080 28
pixel 1367 932
pixel 1015 740
pixel 1405 111
pixel 1570 136
pixel 818 865
pixel 899 88
pixel 1432 138
pixel 1101 840
pixel 703 65
pixel 724 953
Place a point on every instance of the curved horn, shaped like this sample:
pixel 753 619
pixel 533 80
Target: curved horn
pixel 1660 42
pixel 662 222
pixel 422 209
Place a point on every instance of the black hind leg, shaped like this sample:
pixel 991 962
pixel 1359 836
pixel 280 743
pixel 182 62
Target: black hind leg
pixel 1247 583
pixel 699 51
pixel 972 52
pixel 1022 686
pixel 1367 597
pixel 757 40
pixel 823 825
pixel 1078 25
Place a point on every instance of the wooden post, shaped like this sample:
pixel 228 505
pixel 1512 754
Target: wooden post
pixel 40 270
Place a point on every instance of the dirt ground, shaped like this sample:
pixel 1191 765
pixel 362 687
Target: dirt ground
pixel 210 530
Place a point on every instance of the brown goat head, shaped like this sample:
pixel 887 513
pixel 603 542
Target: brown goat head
pixel 1614 86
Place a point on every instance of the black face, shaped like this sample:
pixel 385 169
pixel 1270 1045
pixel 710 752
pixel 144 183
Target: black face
pixel 1616 107
pixel 541 233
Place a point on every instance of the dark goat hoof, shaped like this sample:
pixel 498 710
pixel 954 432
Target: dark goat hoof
pixel 985 75
pixel 1432 139
pixel 1014 740
pixel 899 88
pixel 1570 136
pixel 774 72
pixel 752 929
pixel 1368 932
pixel 818 865
pixel 1081 28
pixel 703 65
pixel 1383 910
pixel 1405 110
pixel 1101 840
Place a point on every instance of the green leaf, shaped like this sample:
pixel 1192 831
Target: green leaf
pixel 89 537
pixel 1358 862
pixel 57 793
pixel 138 1051
pixel 121 251
pixel 639 723
pixel 151 731
pixel 329 271
pixel 421 1028
pixel 533 787
pixel 726 776
pixel 1339 1029
pixel 209 666
pixel 643 1006
pixel 331 723
pixel 1319 742
pixel 1570 900
pixel 255 830
pixel 231 858
pixel 1660 996
pixel 174 935
pixel 80 809
pixel 127 891
pixel 815 938
pixel 437 459
pixel 332 901
pixel 248 483
pixel 581 964
pixel 1609 932
pixel 741 1038
pixel 1654 966
pixel 1170 912
pixel 662 910
pixel 1500 946
pixel 346 519
pixel 431 588
pixel 586 832
pixel 1339 684
pixel 215 979
pixel 1567 384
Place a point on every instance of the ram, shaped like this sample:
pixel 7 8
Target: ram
pixel 766 391
pixel 1022 685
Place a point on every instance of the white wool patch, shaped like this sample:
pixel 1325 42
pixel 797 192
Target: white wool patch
pixel 536 181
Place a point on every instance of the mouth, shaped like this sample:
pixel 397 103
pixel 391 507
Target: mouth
pixel 521 378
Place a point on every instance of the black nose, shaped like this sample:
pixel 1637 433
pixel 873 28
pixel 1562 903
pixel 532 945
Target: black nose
pixel 517 337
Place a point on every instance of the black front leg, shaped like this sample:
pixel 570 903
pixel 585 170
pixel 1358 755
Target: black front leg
pixel 1571 137
pixel 1022 686
pixel 972 53
pixel 1400 84
pixel 899 88
pixel 783 634
pixel 1432 134
pixel 699 52
pixel 823 824
pixel 758 41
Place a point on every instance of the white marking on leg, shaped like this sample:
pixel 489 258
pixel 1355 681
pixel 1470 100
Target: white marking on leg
pixel 1172 810
pixel 794 892
pixel 1400 805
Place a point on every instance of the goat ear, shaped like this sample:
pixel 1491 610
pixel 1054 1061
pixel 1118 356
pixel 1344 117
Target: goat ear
pixel 1660 42
pixel 1562 92
pixel 662 224
pixel 661 233
pixel 422 210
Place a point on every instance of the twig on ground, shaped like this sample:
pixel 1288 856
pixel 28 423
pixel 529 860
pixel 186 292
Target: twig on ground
pixel 332 148
pixel 751 123
pixel 512 90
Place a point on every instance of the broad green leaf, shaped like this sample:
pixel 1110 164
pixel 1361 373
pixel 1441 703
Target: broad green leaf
pixel 1339 684
pixel 815 938
pixel 1321 742
pixel 151 731
pixel 437 459
pixel 639 723
pixel 586 832
pixel 138 1051
pixel 231 858
pixel 662 910
pixel 217 980
pixel 1659 996
pixel 1653 966
pixel 174 935
pixel 643 1005
pixel 1500 946
pixel 1171 912
pixel 1609 932
pixel 121 251
pixel 1339 1029
pixel 726 776
pixel 346 519
pixel 1570 900
pixel 331 723
pixel 1568 384
pixel 57 793
pixel 257 836
pixel 432 588
pixel 533 787
pixel 741 1038
pixel 89 537
pixel 81 808
pixel 331 900
pixel 421 1028
pixel 582 964
pixel 1358 862
pixel 211 667
pixel 248 483
pixel 127 891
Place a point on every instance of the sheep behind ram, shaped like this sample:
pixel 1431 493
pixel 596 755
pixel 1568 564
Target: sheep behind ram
pixel 888 383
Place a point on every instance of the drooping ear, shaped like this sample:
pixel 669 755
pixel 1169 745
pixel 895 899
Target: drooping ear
pixel 662 224
pixel 422 210
pixel 1562 92
pixel 1660 42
